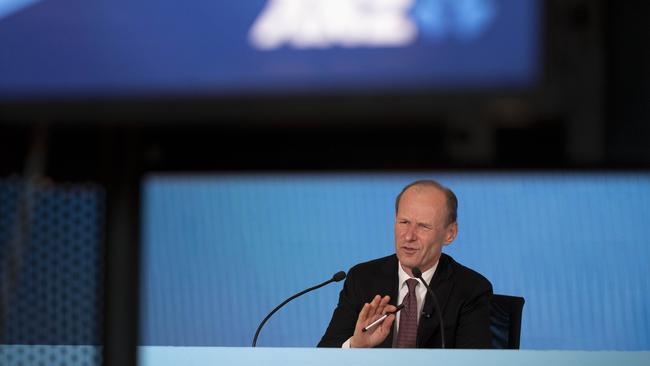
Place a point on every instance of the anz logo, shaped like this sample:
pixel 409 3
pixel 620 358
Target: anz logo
pixel 321 24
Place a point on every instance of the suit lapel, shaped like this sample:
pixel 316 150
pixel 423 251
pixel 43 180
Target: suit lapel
pixel 441 285
pixel 390 276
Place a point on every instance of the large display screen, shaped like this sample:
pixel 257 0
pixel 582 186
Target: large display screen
pixel 221 251
pixel 107 48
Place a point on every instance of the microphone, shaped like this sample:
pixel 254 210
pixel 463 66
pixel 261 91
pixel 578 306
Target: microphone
pixel 418 274
pixel 338 276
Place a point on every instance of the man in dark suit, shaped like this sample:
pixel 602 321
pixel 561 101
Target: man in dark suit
pixel 425 221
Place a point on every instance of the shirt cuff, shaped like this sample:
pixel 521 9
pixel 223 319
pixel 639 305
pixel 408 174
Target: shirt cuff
pixel 346 344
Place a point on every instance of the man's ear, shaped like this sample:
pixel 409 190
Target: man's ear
pixel 451 232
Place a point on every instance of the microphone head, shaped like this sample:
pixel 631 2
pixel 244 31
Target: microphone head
pixel 338 276
pixel 416 272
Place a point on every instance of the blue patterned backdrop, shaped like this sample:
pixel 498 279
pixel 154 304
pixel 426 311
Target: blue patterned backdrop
pixel 51 293
pixel 50 263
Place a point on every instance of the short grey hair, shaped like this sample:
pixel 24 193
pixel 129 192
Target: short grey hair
pixel 452 201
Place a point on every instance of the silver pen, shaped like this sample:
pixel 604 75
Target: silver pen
pixel 399 307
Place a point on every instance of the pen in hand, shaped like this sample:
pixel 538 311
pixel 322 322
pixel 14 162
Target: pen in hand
pixel 399 307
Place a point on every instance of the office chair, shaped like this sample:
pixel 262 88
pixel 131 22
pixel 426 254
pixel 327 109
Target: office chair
pixel 505 321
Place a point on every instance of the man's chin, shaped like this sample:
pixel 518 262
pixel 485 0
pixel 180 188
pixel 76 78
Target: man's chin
pixel 410 257
pixel 408 262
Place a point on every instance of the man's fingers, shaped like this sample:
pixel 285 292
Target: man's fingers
pixel 374 309
pixel 387 323
pixel 384 302
pixel 363 315
pixel 374 304
pixel 370 312
pixel 381 307
pixel 389 309
pixel 376 300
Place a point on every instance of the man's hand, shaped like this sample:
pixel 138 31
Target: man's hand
pixel 371 312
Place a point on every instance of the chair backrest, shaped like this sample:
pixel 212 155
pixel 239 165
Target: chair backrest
pixel 505 321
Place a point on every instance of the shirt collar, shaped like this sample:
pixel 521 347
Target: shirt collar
pixel 427 275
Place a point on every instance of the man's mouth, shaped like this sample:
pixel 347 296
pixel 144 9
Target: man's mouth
pixel 409 250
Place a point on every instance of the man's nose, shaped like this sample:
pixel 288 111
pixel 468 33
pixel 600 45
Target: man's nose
pixel 410 234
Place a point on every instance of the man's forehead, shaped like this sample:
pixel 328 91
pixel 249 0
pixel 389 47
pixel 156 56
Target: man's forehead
pixel 426 197
pixel 424 189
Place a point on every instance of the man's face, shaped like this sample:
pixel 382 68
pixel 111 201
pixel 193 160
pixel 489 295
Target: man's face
pixel 421 228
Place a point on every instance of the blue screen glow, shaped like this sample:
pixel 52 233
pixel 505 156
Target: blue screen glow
pixel 219 252
pixel 76 48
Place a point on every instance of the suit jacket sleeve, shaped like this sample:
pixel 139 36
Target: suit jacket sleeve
pixel 345 315
pixel 473 328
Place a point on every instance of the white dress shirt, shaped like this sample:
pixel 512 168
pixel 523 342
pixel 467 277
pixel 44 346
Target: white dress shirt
pixel 420 293
pixel 420 290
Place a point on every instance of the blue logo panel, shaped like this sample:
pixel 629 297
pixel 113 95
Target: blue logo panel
pixel 109 48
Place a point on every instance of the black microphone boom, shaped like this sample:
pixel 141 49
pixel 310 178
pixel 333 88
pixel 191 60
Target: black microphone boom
pixel 338 276
pixel 418 274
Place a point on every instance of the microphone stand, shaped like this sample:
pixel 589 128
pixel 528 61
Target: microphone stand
pixel 418 274
pixel 336 278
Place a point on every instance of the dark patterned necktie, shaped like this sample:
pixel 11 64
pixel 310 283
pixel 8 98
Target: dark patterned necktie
pixel 408 318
